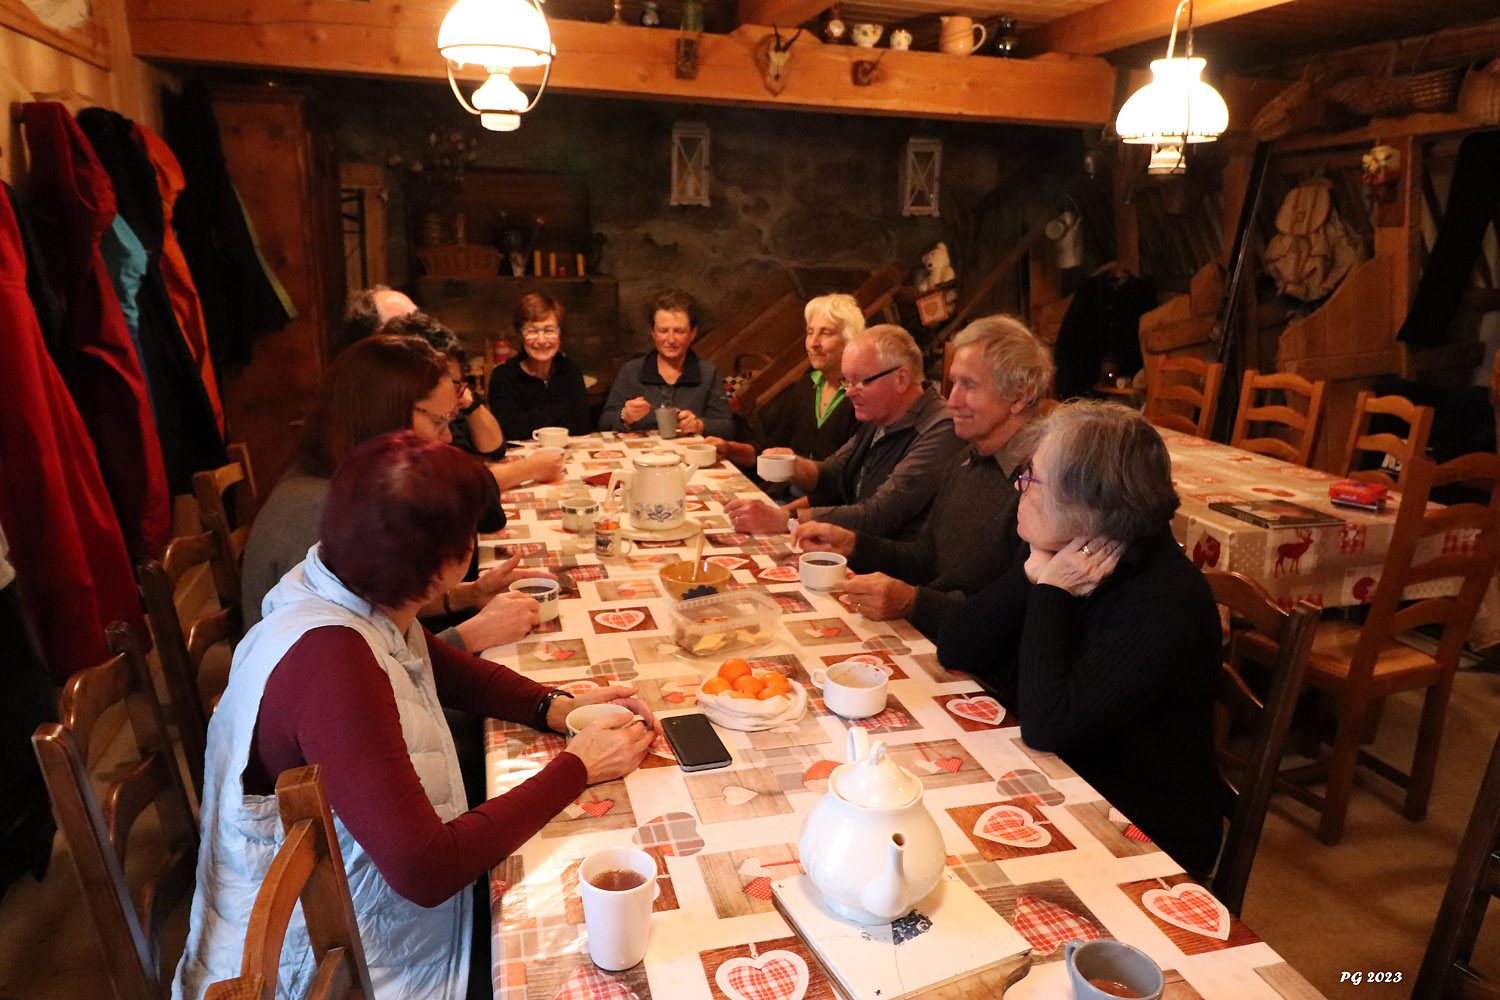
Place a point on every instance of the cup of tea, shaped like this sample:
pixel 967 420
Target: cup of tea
pixel 578 514
pixel 609 537
pixel 544 592
pixel 580 717
pixel 701 455
pixel 551 437
pixel 618 886
pixel 821 570
pixel 854 689
pixel 1099 970
pixel 775 468
pixel 666 421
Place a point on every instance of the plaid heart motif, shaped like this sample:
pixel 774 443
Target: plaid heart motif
pixel 544 747
pixel 589 983
pixel 675 834
pixel 890 717
pixel 759 888
pixel 1013 826
pixel 981 709
pixel 662 748
pixel 1026 783
pixel 579 687
pixel 780 574
pixel 622 620
pixel 775 975
pixel 815 778
pixel 597 809
pixel 1047 926
pixel 552 651
pixel 1136 833
pixel 728 562
pixel 617 669
pixel 949 764
pixel 889 643
pixel 1190 906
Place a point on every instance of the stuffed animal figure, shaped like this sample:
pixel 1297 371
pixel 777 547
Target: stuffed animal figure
pixel 936 268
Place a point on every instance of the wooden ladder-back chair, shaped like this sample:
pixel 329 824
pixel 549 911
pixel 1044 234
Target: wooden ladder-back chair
pixel 1446 973
pixel 1278 641
pixel 1303 424
pixel 1197 390
pixel 182 645
pixel 308 867
pixel 1419 425
pixel 213 485
pixel 128 921
pixel 1359 665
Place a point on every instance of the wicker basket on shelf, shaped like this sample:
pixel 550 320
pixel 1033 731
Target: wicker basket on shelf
pixel 1435 90
pixel 460 260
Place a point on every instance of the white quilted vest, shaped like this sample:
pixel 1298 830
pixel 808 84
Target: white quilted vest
pixel 412 951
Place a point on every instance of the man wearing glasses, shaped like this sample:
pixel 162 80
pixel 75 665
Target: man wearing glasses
pixel 883 479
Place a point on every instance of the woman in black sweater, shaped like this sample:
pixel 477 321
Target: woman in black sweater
pixel 1106 642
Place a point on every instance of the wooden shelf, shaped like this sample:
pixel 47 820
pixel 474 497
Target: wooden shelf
pixel 1383 130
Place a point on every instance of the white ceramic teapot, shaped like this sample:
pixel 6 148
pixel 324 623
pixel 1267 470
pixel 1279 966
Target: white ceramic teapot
pixel 869 844
pixel 654 493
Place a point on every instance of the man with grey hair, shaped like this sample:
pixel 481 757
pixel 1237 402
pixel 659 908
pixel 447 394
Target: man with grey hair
pixel 370 308
pixel 1001 374
pixel 883 479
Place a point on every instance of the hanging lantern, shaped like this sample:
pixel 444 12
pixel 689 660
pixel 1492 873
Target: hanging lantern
pixel 1176 108
pixel 499 35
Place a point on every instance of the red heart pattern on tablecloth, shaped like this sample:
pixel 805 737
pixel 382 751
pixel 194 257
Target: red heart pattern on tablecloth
pixel 781 574
pixel 1027 783
pixel 662 748
pixel 982 708
pixel 949 764
pixel 759 888
pixel 597 808
pixel 815 778
pixel 1047 926
pixel 774 975
pixel 622 620
pixel 1190 906
pixel 675 834
pixel 730 563
pixel 552 651
pixel 617 669
pixel 1012 826
pixel 1136 833
pixel 579 687
pixel 589 983
pixel 544 747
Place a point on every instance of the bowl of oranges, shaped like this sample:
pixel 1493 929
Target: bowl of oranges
pixel 748 696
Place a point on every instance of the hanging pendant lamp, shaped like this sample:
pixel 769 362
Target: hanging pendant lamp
pixel 499 35
pixel 1176 108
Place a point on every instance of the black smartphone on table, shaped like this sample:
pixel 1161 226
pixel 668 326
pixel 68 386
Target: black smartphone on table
pixel 693 740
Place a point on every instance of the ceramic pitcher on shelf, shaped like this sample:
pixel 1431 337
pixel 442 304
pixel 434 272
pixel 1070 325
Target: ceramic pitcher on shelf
pixel 958 35
pixel 654 492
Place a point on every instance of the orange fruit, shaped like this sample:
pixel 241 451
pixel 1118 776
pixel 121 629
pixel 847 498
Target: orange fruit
pixel 749 683
pixel 715 685
pixel 742 694
pixel 734 669
pixel 770 691
pixel 777 682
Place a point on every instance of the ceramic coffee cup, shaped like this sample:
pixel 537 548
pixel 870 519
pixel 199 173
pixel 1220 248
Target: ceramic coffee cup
pixel 900 40
pixel 865 34
pixel 578 514
pixel 853 689
pixel 775 468
pixel 584 714
pixel 666 421
pixel 701 455
pixel 551 437
pixel 1102 970
pixel 544 592
pixel 618 920
pixel 821 570
pixel 609 537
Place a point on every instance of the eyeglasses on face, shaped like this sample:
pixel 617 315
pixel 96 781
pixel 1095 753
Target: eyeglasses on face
pixel 1025 480
pixel 854 384
pixel 439 422
pixel 540 332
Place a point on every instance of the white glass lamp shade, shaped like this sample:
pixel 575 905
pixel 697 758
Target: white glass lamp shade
pixel 1175 107
pixel 500 103
pixel 495 34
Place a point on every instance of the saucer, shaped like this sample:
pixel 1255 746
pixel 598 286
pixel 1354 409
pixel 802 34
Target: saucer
pixel 682 532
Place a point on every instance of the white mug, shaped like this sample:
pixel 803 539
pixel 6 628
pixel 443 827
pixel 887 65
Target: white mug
pixel 821 570
pixel 957 36
pixel 545 592
pixel 666 421
pixel 551 437
pixel 618 920
pixel 578 514
pixel 775 468
pixel 609 537
pixel 701 455
pixel 583 715
pixel 865 34
pixel 853 689
pixel 900 40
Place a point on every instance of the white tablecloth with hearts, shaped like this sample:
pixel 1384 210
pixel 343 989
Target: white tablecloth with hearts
pixel 1330 566
pixel 1028 835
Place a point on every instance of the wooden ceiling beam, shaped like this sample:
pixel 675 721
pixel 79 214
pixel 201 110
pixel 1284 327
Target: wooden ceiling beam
pixel 397 40
pixel 1116 24
pixel 786 13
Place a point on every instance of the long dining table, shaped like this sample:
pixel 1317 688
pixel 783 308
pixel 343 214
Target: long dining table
pixel 1025 833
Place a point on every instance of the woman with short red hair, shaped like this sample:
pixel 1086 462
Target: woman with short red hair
pixel 539 387
pixel 340 674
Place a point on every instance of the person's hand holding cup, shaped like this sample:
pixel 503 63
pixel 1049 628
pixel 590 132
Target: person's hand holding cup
pixel 819 536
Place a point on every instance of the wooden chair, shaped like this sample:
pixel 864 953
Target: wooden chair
pixel 308 867
pixel 1360 665
pixel 1198 390
pixel 213 485
pixel 1278 641
pixel 181 646
pixel 128 920
pixel 1446 973
pixel 1419 425
pixel 1302 425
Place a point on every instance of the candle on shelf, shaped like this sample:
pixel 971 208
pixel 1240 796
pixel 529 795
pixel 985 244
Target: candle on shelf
pixel 536 263
pixel 552 265
pixel 578 259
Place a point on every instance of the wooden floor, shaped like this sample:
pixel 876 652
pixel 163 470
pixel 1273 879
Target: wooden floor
pixel 1366 905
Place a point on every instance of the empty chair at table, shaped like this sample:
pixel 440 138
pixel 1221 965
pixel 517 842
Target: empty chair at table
pixel 1182 394
pixel 1273 425
pixel 1366 438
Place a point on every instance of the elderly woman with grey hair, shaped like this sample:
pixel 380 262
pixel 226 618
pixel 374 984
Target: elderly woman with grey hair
pixel 1104 642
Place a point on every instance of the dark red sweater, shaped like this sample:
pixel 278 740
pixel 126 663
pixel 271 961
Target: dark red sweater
pixel 329 703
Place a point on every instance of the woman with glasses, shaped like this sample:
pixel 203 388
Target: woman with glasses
pixel 539 387
pixel 377 385
pixel 1105 641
